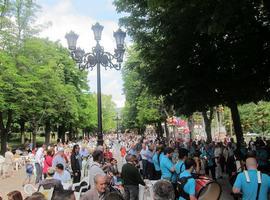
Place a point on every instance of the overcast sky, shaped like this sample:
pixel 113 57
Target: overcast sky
pixel 79 16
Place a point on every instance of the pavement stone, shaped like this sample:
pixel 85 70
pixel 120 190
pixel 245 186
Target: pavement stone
pixel 226 189
pixel 13 183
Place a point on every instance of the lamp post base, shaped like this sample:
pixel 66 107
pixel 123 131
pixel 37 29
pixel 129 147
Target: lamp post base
pixel 100 142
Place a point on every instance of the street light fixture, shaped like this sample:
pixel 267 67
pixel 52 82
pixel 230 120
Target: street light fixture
pixel 98 57
pixel 97 29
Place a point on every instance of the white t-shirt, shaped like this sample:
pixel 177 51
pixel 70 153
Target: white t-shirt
pixel 39 156
pixel 143 154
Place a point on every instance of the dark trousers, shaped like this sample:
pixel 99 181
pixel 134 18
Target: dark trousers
pixel 38 172
pixel 176 191
pixel 77 177
pixel 144 165
pixel 213 171
pixel 222 163
pixel 150 171
pixel 157 175
pixel 131 192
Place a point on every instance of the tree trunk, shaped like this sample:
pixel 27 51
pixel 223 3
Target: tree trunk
pixel 207 122
pixel 70 133
pixel 159 130
pixel 4 130
pixel 30 139
pixel 61 132
pixel 139 131
pixel 190 125
pixel 167 131
pixel 22 130
pixel 4 137
pixel 47 132
pixel 34 134
pixel 76 131
pixel 236 123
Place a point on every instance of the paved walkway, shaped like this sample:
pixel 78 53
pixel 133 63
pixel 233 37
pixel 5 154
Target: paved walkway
pixel 12 183
pixel 226 189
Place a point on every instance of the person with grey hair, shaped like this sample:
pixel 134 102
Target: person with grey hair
pixel 59 158
pixel 128 157
pixel 163 190
pixel 99 190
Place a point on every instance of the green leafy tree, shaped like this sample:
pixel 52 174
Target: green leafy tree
pixel 199 55
pixel 11 85
pixel 255 117
pixel 108 113
pixel 16 20
pixel 141 106
pixel 88 113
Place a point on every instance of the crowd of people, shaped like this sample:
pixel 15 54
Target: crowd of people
pixel 115 170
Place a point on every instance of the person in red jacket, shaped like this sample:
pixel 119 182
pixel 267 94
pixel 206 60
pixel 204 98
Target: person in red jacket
pixel 47 163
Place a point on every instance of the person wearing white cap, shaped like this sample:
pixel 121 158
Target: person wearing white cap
pixel 59 158
pixel 50 181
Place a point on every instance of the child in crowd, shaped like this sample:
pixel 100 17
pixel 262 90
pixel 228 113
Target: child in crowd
pixel 29 169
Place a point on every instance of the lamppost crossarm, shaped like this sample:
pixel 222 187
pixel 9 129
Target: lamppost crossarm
pixel 97 58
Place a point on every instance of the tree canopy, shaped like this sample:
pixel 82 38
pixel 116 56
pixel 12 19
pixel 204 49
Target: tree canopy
pixel 202 54
pixel 39 82
pixel 141 106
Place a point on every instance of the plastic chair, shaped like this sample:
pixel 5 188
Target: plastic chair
pixel 141 192
pixel 29 189
pixel 82 188
pixel 6 169
pixel 47 192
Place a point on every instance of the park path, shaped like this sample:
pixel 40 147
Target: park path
pixel 13 183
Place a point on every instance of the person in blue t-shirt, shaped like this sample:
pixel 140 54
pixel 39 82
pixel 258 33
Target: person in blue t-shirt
pixel 180 165
pixel 189 187
pixel 209 156
pixel 156 160
pixel 248 183
pixel 150 165
pixel 166 165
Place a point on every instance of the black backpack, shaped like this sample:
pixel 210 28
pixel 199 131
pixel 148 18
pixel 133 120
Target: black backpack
pixel 180 187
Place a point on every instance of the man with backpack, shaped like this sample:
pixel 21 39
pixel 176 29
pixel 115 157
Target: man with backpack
pixel 252 183
pixel 180 165
pixel 166 165
pixel 186 183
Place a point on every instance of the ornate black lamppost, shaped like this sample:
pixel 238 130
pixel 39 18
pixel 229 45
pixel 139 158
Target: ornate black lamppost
pixel 98 57
pixel 117 119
